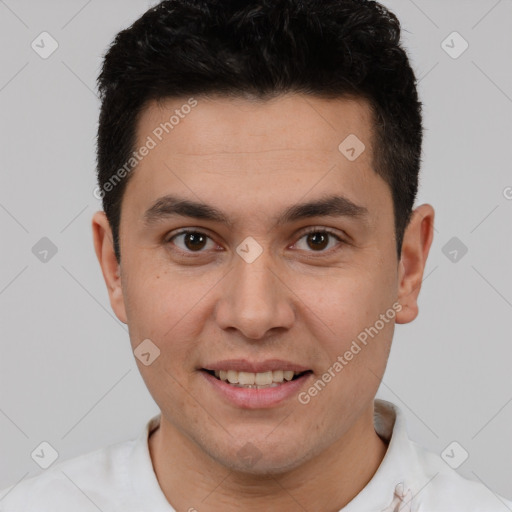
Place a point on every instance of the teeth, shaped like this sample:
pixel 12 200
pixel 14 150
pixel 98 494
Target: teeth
pixel 263 379
pixel 232 376
pixel 246 378
pixel 277 376
pixel 259 379
pixel 288 375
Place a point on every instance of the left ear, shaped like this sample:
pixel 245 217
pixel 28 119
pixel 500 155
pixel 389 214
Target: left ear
pixel 415 248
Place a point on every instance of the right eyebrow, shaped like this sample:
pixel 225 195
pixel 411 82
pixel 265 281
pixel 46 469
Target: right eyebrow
pixel 171 206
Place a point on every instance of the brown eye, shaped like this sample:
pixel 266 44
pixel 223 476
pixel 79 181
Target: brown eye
pixel 318 239
pixel 192 241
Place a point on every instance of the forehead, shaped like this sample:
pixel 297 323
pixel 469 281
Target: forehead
pixel 225 151
pixel 292 121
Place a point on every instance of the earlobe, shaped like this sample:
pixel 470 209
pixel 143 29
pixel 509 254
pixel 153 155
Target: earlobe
pixel 104 248
pixel 415 248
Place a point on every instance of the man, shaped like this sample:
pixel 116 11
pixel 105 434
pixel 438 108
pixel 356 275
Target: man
pixel 258 164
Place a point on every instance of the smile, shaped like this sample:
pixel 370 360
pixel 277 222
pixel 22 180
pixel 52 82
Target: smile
pixel 255 390
pixel 260 380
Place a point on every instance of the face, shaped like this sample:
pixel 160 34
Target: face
pixel 258 284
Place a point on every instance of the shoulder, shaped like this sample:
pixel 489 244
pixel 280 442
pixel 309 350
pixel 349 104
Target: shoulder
pixel 95 478
pixel 423 481
pixel 443 489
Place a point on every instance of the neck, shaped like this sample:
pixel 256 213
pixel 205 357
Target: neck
pixel 190 480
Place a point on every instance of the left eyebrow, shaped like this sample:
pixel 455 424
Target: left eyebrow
pixel 331 206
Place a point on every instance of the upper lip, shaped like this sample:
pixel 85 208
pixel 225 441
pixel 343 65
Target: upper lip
pixel 243 365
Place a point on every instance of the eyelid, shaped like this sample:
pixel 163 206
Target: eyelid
pixel 305 231
pixel 320 229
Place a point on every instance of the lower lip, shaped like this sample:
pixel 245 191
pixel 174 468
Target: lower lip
pixel 250 398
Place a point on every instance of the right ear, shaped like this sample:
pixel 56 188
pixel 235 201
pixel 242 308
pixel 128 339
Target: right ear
pixel 104 247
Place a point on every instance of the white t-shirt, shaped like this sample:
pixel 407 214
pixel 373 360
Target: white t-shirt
pixel 120 478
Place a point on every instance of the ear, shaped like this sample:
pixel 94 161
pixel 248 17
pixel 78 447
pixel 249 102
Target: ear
pixel 415 248
pixel 104 248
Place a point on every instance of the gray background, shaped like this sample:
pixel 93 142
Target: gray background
pixel 67 374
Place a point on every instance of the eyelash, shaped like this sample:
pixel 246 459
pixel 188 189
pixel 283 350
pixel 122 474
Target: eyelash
pixel 315 230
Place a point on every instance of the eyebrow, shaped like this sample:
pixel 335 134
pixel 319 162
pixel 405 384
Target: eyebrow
pixel 331 206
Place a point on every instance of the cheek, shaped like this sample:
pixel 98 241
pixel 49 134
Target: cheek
pixel 155 300
pixel 147 306
pixel 168 308
pixel 344 302
pixel 344 317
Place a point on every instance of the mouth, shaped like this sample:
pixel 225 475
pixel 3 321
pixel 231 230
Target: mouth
pixel 253 385
pixel 259 380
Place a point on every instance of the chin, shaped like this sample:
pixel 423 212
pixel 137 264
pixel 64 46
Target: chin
pixel 263 458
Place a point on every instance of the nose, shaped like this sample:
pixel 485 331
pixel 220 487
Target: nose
pixel 255 299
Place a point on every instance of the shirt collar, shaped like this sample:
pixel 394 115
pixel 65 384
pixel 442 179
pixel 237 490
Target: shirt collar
pixel 142 474
pixel 394 484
